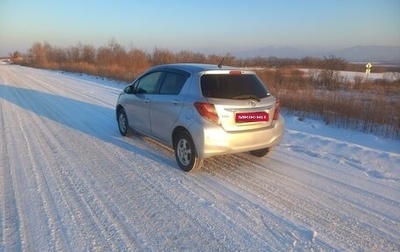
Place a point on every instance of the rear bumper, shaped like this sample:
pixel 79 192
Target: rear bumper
pixel 213 140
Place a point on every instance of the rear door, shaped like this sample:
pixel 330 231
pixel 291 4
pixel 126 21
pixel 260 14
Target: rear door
pixel 241 100
pixel 166 105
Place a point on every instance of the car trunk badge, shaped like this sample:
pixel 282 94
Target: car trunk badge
pixel 252 103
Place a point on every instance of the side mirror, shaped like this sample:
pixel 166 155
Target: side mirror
pixel 128 90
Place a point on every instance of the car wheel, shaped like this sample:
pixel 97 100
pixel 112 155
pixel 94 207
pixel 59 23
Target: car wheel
pixel 185 153
pixel 261 152
pixel 123 124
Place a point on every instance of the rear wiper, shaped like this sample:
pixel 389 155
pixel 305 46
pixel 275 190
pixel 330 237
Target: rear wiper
pixel 247 97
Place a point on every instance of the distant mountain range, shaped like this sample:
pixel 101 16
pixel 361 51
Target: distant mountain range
pixel 378 54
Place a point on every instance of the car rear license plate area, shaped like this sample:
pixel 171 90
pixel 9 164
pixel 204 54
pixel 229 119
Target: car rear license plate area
pixel 252 117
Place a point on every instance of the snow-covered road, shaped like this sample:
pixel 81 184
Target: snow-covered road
pixel 70 182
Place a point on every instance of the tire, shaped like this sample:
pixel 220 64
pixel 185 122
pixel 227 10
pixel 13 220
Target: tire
pixel 185 153
pixel 123 124
pixel 261 152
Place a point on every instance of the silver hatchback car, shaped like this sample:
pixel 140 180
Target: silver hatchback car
pixel 202 110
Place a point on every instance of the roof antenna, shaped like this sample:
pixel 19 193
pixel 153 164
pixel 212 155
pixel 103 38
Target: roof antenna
pixel 220 63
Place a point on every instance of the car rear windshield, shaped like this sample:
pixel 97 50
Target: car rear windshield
pixel 232 86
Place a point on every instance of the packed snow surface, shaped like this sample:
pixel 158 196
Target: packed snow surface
pixel 70 182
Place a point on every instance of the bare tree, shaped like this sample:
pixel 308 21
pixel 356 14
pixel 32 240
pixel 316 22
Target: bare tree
pixel 88 54
pixel 162 56
pixel 37 54
pixel 329 76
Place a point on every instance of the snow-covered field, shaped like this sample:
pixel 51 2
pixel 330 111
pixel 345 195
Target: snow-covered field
pixel 70 182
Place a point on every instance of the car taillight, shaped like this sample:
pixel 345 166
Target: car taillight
pixel 207 111
pixel 277 109
pixel 235 72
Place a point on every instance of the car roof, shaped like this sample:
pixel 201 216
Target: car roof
pixel 195 67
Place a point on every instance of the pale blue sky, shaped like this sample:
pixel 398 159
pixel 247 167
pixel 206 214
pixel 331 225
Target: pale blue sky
pixel 207 25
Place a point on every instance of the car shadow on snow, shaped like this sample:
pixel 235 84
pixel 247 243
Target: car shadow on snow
pixel 91 119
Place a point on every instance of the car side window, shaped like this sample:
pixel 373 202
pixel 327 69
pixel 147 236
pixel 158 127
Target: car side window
pixel 148 83
pixel 173 83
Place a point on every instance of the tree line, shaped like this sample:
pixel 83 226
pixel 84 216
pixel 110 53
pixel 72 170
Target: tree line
pixel 306 86
pixel 114 61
